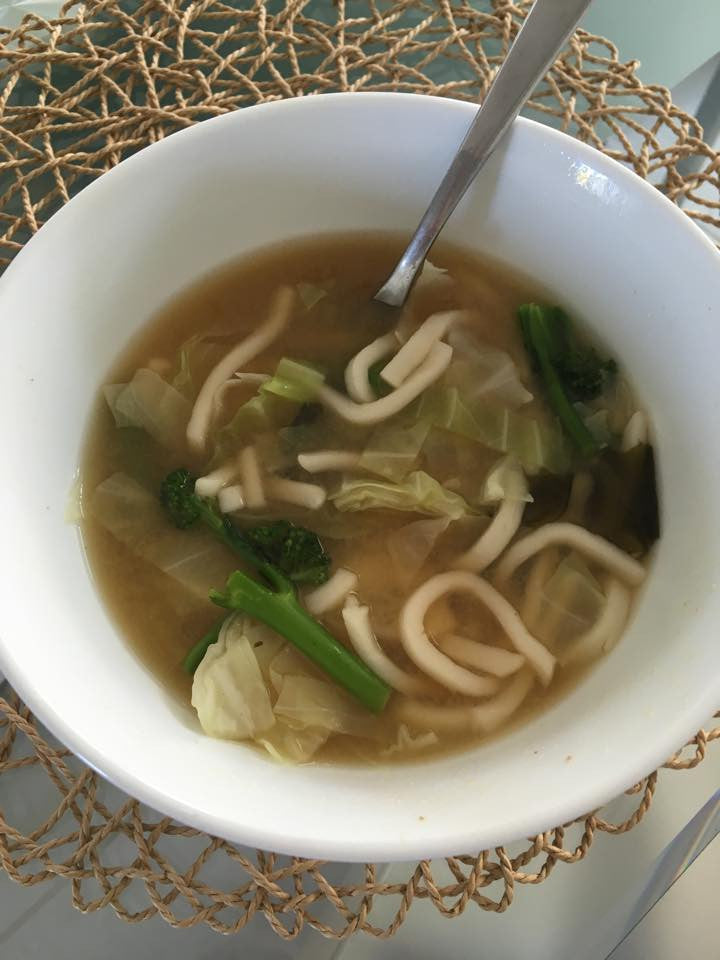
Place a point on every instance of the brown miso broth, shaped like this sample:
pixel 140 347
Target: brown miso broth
pixel 136 555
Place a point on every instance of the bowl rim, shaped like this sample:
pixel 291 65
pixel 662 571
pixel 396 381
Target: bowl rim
pixel 625 772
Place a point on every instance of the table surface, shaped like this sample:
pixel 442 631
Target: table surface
pixel 670 39
pixel 579 912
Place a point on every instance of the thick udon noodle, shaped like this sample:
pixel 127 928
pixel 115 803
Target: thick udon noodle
pixel 467 571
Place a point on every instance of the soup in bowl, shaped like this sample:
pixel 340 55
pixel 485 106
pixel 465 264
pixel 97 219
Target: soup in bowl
pixel 348 532
pixel 338 537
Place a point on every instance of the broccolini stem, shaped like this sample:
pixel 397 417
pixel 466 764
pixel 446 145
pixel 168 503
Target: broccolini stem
pixel 225 530
pixel 538 339
pixel 193 657
pixel 281 552
pixel 282 612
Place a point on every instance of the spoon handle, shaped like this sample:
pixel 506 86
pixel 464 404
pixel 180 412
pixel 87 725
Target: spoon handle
pixel 545 30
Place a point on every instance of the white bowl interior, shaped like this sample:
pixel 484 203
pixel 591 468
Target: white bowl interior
pixel 605 243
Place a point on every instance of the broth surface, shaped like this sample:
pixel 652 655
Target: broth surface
pixel 158 616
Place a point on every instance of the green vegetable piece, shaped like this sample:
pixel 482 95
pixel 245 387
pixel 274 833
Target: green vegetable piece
pixel 546 336
pixel 281 546
pixel 194 656
pixel 193 356
pixel 279 551
pixel 151 404
pixel 624 504
pixel 262 413
pixel 294 550
pixel 393 448
pixel 418 493
pixel 280 610
pixel 310 294
pixel 179 499
pixel 443 407
pixel 294 381
pixel 583 370
pixel 536 445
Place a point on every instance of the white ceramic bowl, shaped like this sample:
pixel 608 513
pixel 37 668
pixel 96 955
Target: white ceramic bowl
pixel 610 247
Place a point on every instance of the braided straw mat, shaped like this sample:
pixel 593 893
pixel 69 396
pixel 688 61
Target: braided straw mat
pixel 80 93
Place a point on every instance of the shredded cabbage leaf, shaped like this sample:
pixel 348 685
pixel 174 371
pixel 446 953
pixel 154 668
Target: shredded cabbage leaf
pixel 240 676
pixel 430 275
pixel 249 668
pixel 135 517
pixel 411 545
pixel 308 702
pixel 152 404
pixel 286 662
pixel 287 745
pixel 294 381
pixel 537 445
pixel 456 462
pixel 264 413
pixel 418 493
pixel 310 294
pixel 393 449
pixel 74 512
pixel 483 373
pixel 406 742
pixel 506 481
pixel 192 356
pixel 229 692
pixel 275 405
pixel 572 600
pixel 441 406
pixel 266 644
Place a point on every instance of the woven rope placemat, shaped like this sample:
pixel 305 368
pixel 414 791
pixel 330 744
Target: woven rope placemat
pixel 79 94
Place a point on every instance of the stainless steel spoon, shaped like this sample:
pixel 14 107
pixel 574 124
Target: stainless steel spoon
pixel 546 28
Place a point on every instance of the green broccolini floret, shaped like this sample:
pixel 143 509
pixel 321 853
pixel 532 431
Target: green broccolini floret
pixel 179 499
pixel 585 373
pixel 285 555
pixel 194 657
pixel 296 551
pixel 570 372
pixel 185 507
